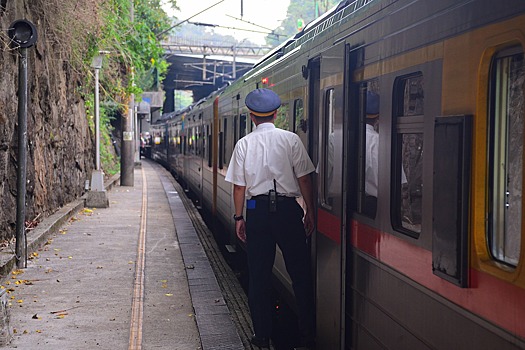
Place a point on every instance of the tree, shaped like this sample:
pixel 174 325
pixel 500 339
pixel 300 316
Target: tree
pixel 135 61
pixel 298 10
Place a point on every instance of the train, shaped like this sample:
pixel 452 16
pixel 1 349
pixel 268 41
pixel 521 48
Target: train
pixel 438 261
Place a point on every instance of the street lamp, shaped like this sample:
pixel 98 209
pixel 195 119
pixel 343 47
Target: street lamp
pixel 97 197
pixel 97 64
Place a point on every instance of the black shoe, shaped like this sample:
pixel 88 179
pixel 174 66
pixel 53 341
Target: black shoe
pixel 261 342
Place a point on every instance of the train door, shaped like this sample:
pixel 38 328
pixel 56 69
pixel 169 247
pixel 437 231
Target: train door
pixel 326 108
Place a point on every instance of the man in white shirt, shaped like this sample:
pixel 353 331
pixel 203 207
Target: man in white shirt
pixel 271 168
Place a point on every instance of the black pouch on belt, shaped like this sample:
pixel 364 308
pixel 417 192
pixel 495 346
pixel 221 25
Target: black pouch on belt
pixel 272 201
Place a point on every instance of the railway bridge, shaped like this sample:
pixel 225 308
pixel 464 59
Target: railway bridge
pixel 203 67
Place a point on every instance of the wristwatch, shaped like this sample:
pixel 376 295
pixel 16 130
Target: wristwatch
pixel 238 218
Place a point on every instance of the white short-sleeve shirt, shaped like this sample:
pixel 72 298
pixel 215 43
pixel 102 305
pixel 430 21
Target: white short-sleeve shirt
pixel 266 154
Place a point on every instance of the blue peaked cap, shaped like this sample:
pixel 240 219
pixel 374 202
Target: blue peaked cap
pixel 262 102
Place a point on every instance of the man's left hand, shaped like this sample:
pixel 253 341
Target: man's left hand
pixel 240 230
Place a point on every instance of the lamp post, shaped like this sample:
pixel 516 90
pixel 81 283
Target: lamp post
pixel 97 197
pixel 97 64
pixel 23 34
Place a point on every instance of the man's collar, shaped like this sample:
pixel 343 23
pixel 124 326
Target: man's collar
pixel 267 125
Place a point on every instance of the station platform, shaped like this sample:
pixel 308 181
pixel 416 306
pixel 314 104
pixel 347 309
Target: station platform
pixel 144 273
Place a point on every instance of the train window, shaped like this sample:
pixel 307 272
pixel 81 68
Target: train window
pixel 506 156
pixel 210 143
pixel 328 148
pixel 198 140
pixel 179 141
pixel 370 110
pixel 191 139
pixel 235 130
pixel 298 115
pixel 282 117
pixel 204 140
pixel 242 125
pixel 407 164
pixel 224 140
pixel 221 150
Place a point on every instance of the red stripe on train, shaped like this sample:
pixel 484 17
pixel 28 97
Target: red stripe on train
pixel 498 301
pixel 329 225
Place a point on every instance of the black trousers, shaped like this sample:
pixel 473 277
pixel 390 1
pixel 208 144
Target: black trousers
pixel 285 228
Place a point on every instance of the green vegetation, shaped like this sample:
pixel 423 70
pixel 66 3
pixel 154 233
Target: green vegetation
pixel 133 62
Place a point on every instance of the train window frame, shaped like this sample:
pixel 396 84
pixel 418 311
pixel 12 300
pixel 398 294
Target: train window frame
pixel 407 128
pixel 500 133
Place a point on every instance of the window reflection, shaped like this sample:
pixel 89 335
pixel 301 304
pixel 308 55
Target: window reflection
pixel 506 156
pixel 409 154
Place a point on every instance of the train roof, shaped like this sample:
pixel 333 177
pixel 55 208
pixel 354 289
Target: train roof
pixel 279 50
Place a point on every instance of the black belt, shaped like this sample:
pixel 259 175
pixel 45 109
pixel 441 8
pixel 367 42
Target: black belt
pixel 265 197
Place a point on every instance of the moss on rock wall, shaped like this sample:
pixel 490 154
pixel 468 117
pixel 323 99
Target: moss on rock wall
pixel 60 150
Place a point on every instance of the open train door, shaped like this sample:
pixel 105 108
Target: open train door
pixel 326 114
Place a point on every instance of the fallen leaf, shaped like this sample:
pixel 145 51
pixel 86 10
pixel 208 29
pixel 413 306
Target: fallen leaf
pixel 169 294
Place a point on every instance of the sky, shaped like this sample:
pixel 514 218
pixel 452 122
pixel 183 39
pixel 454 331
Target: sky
pixel 262 13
